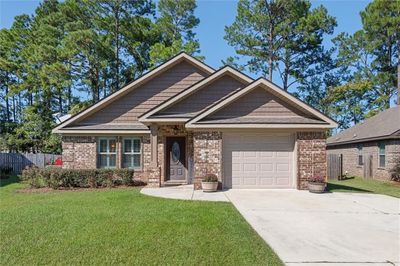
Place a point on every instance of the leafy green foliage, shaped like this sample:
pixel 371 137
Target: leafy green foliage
pixel 368 60
pixel 280 35
pixel 175 30
pixel 70 54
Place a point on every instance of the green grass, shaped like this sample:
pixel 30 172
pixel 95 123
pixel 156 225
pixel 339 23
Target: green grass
pixel 121 226
pixel 358 184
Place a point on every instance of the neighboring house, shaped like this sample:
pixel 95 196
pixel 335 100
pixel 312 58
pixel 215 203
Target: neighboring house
pixel 183 120
pixel 374 143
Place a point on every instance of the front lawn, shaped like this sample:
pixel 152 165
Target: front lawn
pixel 358 184
pixel 121 226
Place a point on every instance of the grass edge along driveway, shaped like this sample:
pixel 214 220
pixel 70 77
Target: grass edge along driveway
pixel 361 185
pixel 122 226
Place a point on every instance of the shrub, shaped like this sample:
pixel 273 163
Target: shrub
pixel 5 171
pixel 56 177
pixel 210 178
pixel 395 171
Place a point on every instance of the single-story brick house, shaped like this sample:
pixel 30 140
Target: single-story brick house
pixel 184 119
pixel 374 143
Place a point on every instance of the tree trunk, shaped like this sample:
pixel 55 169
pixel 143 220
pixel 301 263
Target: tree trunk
pixel 7 104
pixel 117 48
pixel 270 53
pixel 14 109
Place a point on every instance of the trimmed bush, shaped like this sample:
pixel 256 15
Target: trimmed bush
pixel 56 177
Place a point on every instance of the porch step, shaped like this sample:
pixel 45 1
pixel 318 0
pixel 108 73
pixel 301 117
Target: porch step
pixel 170 183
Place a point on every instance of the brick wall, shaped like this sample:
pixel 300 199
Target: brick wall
pixel 207 153
pixel 350 158
pixel 79 152
pixel 311 156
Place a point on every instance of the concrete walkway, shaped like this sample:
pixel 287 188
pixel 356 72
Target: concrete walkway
pixel 185 192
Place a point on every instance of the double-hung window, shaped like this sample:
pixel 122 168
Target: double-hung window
pixel 360 154
pixel 382 155
pixel 107 153
pixel 131 153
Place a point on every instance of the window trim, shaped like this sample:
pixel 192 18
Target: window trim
pixel 140 153
pixel 360 155
pixel 107 152
pixel 379 155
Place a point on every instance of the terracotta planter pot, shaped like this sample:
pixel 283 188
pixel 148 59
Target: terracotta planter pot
pixel 316 187
pixel 209 186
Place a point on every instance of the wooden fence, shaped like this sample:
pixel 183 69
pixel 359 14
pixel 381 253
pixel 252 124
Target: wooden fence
pixel 335 166
pixel 18 161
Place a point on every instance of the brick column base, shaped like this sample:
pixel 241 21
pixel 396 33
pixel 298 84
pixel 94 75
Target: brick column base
pixel 154 174
pixel 197 183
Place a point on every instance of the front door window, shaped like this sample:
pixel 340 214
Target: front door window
pixel 176 152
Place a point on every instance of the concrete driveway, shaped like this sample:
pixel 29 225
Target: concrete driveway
pixel 331 228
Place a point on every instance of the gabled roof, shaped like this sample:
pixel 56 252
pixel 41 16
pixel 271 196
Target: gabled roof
pixel 151 115
pixel 197 122
pixel 131 86
pixel 384 125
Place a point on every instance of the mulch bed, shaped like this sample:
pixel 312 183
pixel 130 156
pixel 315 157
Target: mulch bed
pixel 50 190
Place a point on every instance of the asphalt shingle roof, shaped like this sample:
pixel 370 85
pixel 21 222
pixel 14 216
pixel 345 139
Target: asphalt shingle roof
pixel 383 125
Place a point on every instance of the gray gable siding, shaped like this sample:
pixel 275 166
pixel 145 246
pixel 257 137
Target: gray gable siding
pixel 148 95
pixel 258 103
pixel 206 96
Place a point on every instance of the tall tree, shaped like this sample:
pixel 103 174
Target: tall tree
pixel 125 26
pixel 175 30
pixel 381 24
pixel 280 35
pixel 369 58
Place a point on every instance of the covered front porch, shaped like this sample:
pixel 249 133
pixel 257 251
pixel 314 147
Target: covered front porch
pixel 182 157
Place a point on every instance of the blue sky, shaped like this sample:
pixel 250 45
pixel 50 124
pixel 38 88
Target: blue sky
pixel 214 16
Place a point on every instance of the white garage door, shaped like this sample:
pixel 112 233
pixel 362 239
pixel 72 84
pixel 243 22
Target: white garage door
pixel 258 160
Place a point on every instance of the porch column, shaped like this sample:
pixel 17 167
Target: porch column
pixel 154 145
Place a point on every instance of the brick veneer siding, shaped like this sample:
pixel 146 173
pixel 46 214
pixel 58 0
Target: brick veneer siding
pixel 79 152
pixel 311 156
pixel 350 157
pixel 207 153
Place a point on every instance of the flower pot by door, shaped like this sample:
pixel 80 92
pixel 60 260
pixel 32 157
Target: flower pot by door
pixel 209 186
pixel 315 187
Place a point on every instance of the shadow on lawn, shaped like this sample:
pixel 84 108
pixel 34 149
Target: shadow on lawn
pixel 332 187
pixel 8 181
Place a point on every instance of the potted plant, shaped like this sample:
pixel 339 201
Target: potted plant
pixel 316 184
pixel 209 183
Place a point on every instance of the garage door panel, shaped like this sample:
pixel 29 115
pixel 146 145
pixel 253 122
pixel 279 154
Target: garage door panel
pixel 266 154
pixel 236 181
pixel 250 181
pixel 282 167
pixel 282 181
pixel 249 167
pixel 258 160
pixel 264 181
pixel 266 167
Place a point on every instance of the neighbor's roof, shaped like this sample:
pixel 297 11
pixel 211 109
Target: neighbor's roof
pixel 384 125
